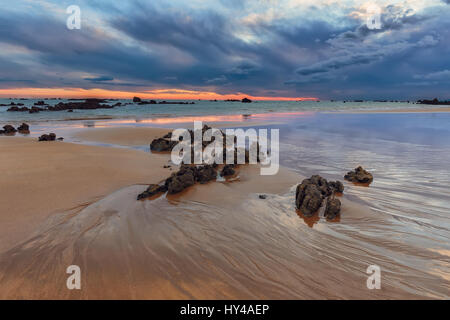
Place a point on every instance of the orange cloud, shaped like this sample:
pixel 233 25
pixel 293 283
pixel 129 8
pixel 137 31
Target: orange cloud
pixel 167 94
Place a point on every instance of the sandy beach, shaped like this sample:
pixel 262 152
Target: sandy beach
pixel 213 241
pixel 44 178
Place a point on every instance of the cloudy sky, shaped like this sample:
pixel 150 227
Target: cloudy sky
pixel 221 48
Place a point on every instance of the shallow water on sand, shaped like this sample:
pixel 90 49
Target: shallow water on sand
pixel 254 248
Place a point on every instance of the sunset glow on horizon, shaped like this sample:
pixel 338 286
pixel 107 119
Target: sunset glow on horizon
pixel 168 94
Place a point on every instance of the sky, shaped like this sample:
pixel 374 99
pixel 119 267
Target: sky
pixel 213 49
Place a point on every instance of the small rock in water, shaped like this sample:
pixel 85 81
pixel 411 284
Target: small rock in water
pixel 60 139
pixel 48 137
pixel 333 208
pixel 8 129
pixel 262 196
pixel 359 175
pixel 24 128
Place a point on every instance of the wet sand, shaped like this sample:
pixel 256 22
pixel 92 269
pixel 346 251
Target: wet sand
pixel 41 178
pixel 142 136
pixel 424 109
pixel 121 136
pixel 212 241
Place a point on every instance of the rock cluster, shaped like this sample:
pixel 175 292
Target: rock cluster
pixel 310 194
pixel 141 102
pixel 434 102
pixel 165 144
pixel 185 177
pixel 246 100
pixel 87 104
pixel 359 175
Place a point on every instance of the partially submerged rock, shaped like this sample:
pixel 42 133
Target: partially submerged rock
pixel 24 128
pixel 332 208
pixel 308 198
pixel 359 175
pixel 9 129
pixel 48 137
pixel 310 194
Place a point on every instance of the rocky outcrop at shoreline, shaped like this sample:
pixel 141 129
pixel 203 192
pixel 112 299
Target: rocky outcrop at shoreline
pixel 310 194
pixel 10 130
pixel 24 128
pixel 434 102
pixel 47 137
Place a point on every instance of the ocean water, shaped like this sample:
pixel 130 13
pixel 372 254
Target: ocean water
pixel 200 108
pixel 263 248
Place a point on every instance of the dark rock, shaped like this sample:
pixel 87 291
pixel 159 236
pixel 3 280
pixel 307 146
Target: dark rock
pixel 8 129
pixel 246 100
pixel 17 109
pixel 434 102
pixel 88 104
pixel 168 136
pixel 39 103
pixel 180 180
pixel 308 198
pixel 60 139
pixel 262 196
pixel 24 128
pixel 227 170
pixel 336 186
pixel 161 144
pixel 137 99
pixel 205 173
pixel 322 185
pixel 332 208
pixel 70 110
pixel 48 137
pixel 35 109
pixel 311 192
pixel 359 175
pixel 152 190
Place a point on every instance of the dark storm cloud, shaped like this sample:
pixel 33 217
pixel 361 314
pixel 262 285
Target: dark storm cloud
pixel 218 47
pixel 99 79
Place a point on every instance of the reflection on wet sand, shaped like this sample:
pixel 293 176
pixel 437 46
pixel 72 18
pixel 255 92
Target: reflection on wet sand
pixel 220 240
pixel 185 248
